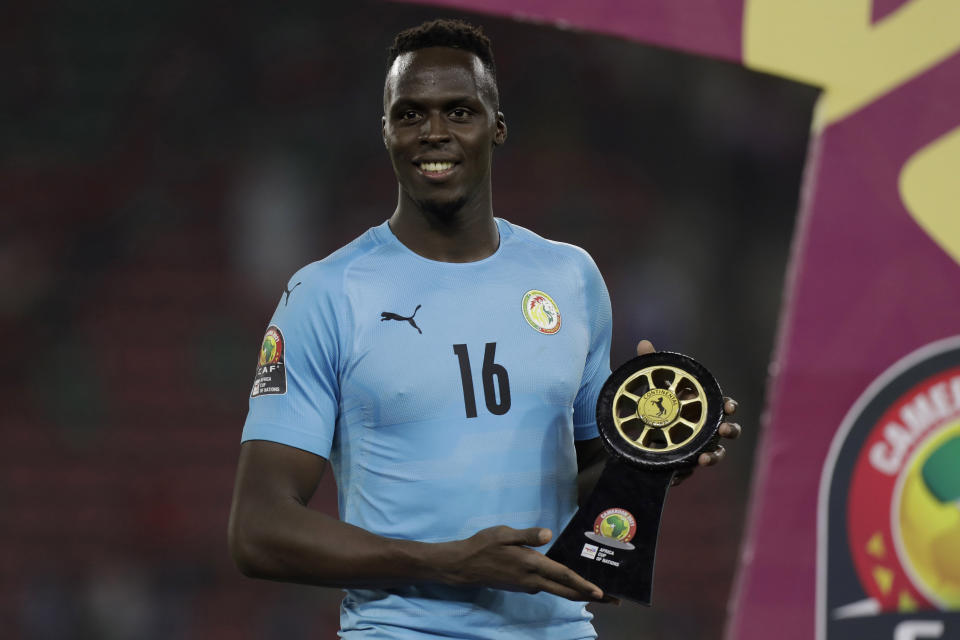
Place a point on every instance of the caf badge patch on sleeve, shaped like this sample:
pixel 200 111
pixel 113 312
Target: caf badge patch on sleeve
pixel 271 377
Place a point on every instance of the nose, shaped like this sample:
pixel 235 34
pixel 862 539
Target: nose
pixel 434 129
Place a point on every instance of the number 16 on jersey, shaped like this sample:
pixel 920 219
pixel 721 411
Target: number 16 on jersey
pixel 496 382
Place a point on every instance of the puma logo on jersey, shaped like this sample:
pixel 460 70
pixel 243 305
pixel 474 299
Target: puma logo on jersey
pixel 388 315
pixel 288 292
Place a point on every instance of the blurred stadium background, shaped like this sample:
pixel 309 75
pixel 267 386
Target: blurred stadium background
pixel 164 168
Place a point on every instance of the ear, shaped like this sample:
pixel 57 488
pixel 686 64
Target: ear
pixel 383 129
pixel 500 136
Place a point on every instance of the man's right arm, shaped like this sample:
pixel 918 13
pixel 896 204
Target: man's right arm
pixel 274 535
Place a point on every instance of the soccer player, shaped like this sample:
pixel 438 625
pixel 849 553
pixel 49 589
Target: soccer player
pixel 448 364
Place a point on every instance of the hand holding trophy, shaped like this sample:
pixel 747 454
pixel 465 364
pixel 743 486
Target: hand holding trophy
pixel 657 414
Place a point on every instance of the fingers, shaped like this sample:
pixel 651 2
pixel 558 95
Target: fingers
pixel 502 559
pixel 644 347
pixel 564 582
pixel 557 589
pixel 729 430
pixel 710 458
pixel 540 536
pixel 532 537
pixel 680 475
pixel 562 590
pixel 729 406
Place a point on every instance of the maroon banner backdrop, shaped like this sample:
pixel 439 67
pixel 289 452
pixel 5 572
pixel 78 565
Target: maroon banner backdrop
pixel 707 27
pixel 854 528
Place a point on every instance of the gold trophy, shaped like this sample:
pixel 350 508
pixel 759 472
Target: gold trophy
pixel 656 414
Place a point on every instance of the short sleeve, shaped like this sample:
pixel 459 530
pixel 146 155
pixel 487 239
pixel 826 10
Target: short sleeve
pixel 596 370
pixel 295 396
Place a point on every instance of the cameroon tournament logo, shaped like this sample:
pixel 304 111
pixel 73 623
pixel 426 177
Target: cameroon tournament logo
pixel 889 555
pixel 271 376
pixel 541 312
pixel 614 527
pixel 271 351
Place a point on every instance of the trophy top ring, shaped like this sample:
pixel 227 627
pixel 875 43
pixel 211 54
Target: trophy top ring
pixel 660 410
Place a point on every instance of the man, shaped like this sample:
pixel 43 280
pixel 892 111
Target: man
pixel 448 364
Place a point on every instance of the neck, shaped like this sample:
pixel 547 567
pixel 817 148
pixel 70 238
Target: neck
pixel 467 234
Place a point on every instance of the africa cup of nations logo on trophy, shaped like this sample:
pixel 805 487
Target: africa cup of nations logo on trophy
pixel 656 414
pixel 889 553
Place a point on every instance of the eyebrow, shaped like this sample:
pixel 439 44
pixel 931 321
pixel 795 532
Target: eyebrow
pixel 447 103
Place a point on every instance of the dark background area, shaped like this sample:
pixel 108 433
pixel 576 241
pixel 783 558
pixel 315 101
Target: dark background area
pixel 165 168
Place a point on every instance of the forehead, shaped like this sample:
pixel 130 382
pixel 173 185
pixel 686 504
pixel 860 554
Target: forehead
pixel 435 72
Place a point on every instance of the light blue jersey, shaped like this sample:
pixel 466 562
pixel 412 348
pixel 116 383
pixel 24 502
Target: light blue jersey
pixel 447 397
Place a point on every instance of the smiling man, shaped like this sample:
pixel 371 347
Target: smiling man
pixel 457 438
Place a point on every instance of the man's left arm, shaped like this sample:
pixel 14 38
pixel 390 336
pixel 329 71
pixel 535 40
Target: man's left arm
pixel 592 455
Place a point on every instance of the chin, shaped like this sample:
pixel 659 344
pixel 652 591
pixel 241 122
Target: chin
pixel 444 209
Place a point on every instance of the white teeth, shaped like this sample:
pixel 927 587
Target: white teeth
pixel 436 166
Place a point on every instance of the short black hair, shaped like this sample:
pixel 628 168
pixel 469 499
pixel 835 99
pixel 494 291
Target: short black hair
pixel 446 32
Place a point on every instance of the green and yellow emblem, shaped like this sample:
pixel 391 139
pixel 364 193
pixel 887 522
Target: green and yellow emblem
pixel 541 312
pixel 616 524
pixel 271 350
pixel 271 377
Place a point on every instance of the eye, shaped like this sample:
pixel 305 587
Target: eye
pixel 409 115
pixel 460 113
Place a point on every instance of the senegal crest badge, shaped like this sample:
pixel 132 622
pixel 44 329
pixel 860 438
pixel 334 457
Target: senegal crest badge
pixel 541 312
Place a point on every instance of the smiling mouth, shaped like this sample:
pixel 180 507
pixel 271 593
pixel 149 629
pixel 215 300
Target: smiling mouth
pixel 436 169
